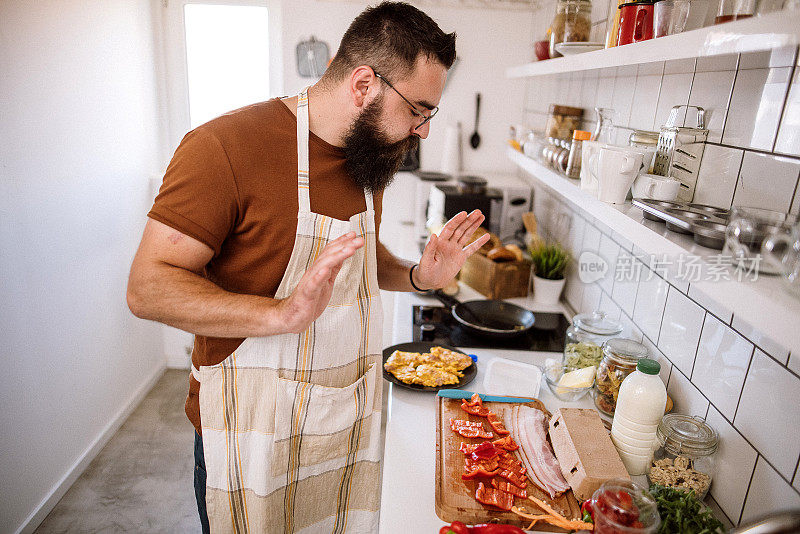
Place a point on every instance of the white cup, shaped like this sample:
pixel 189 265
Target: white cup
pixel 617 168
pixel 655 187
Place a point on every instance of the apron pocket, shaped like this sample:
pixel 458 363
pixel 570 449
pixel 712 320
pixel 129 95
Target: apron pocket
pixel 315 425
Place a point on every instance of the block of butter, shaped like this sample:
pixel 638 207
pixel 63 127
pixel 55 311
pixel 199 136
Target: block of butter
pixel 584 450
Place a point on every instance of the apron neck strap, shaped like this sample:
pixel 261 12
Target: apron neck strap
pixel 304 201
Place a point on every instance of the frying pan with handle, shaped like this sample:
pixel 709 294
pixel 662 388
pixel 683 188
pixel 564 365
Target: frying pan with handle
pixel 492 318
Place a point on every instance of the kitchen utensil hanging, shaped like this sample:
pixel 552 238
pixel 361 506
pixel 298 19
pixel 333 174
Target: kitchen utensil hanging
pixel 475 138
pixel 312 58
pixel 680 149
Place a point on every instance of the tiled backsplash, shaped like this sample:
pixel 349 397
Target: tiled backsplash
pixel 746 385
pixel 752 104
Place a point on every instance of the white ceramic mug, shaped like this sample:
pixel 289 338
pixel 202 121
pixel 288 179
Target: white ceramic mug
pixel 655 187
pixel 617 168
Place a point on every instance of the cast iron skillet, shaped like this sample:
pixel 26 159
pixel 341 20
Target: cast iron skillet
pixel 491 318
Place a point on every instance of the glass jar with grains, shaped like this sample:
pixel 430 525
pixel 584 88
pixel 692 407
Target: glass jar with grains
pixel 562 121
pixel 571 24
pixel 620 357
pixel 585 338
pixel 685 459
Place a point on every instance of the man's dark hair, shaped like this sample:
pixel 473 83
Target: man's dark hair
pixel 389 38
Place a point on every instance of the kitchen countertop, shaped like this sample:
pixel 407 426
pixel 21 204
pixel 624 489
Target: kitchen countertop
pixel 408 485
pixel 410 451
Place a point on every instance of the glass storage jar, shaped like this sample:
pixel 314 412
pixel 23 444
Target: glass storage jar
pixel 571 24
pixel 620 357
pixel 562 121
pixel 686 455
pixel 585 338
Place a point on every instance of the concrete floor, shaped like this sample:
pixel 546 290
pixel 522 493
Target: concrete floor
pixel 142 479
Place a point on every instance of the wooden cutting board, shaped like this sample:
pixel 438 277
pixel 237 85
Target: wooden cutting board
pixel 455 498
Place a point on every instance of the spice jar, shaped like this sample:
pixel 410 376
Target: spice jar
pixel 585 338
pixel 571 24
pixel 562 121
pixel 573 169
pixel 685 459
pixel 620 357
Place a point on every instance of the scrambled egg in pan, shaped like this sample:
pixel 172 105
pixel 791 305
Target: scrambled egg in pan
pixel 438 367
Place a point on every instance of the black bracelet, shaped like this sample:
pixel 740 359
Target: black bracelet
pixel 411 278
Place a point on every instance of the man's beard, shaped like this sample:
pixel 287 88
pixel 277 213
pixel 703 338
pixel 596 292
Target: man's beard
pixel 371 159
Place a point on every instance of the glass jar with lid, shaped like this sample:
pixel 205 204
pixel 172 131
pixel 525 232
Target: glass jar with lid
pixel 685 458
pixel 585 338
pixel 571 24
pixel 620 357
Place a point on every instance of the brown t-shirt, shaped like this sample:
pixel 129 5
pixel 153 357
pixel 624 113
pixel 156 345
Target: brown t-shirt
pixel 232 184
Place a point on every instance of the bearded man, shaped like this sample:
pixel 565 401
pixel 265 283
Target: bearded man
pixel 263 242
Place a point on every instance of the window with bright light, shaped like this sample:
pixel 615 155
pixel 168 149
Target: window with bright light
pixel 227 55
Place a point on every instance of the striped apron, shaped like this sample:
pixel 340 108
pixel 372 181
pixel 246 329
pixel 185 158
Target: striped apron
pixel 291 422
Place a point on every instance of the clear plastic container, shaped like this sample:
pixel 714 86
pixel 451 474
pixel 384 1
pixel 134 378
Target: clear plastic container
pixel 585 338
pixel 512 378
pixel 623 507
pixel 620 357
pixel 686 456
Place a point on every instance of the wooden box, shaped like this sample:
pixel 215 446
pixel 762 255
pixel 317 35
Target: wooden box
pixel 584 450
pixel 496 280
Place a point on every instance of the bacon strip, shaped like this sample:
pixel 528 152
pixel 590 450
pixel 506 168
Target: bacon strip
pixel 532 425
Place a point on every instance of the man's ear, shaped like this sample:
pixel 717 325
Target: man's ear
pixel 362 81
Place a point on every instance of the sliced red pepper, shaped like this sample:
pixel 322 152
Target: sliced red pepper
pixel 485 450
pixel 494 497
pixel 467 448
pixel 509 462
pixel 474 409
pixel 475 400
pixel 508 487
pixel 506 443
pixel 469 429
pixel 496 424
pixel 521 481
pixel 471 464
pixel 478 473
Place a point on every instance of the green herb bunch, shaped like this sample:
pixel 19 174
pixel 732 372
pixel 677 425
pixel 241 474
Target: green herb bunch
pixel 682 513
pixel 549 260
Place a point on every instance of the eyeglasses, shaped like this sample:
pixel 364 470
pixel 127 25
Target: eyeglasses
pixel 414 110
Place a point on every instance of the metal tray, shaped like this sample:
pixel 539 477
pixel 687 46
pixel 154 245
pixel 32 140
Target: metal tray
pixel 680 216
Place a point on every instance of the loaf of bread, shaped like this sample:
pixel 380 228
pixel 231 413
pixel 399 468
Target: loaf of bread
pixel 501 254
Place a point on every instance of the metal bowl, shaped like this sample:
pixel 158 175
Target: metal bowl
pixel 688 217
pixel 709 233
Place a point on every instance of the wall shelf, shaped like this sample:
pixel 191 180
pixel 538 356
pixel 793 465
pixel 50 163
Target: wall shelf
pixel 765 303
pixel 774 30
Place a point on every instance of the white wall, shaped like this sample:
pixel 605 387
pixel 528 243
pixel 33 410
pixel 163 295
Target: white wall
pixel 78 139
pixel 488 42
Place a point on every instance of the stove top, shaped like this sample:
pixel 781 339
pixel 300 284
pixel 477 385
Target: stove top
pixel 436 324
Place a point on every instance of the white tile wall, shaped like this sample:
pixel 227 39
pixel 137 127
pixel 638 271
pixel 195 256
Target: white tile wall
pixel 768 411
pixel 756 106
pixel 711 90
pixel 719 171
pixel 768 491
pixel 685 395
pixel 733 468
pixel 751 189
pixel 712 362
pixel 721 364
pixel 680 330
pixel 788 141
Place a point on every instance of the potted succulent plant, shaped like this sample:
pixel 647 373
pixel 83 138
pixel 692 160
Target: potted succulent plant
pixel 549 264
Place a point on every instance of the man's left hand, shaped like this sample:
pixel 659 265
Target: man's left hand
pixel 446 253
